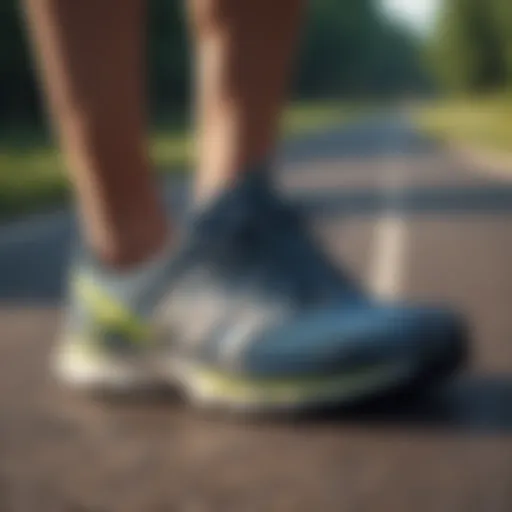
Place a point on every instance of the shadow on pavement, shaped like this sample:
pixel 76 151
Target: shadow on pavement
pixel 34 271
pixel 472 405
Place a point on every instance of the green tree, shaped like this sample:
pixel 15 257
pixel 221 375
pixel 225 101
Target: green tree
pixel 348 48
pixel 502 12
pixel 18 99
pixel 469 53
pixel 168 56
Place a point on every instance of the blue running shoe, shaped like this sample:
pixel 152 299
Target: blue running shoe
pixel 248 314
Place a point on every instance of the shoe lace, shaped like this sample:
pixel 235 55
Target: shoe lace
pixel 319 278
pixel 272 235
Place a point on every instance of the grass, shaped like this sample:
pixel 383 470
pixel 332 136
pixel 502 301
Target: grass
pixel 31 171
pixel 484 122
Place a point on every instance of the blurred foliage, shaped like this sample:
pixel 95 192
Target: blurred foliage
pixel 479 122
pixel 471 51
pixel 348 48
pixel 18 100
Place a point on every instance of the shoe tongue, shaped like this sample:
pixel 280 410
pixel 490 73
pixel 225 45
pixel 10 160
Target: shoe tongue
pixel 250 192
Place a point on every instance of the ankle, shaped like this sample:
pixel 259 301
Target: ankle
pixel 132 244
pixel 210 184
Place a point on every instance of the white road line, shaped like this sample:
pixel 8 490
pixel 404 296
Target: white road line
pixel 388 264
pixel 387 273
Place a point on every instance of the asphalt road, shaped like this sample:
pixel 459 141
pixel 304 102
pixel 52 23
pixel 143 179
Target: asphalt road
pixel 412 222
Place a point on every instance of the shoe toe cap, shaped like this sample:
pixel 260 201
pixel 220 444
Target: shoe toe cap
pixel 344 338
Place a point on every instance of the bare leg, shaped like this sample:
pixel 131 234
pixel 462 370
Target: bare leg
pixel 91 58
pixel 91 55
pixel 243 57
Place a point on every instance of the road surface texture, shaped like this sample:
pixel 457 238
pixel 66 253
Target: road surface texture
pixel 411 221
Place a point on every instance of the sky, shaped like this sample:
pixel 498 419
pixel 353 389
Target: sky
pixel 420 14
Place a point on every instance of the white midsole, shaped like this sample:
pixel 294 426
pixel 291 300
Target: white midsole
pixel 205 387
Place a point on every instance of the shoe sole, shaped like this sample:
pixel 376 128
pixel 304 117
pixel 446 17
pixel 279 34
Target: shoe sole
pixel 211 390
pixel 208 389
pixel 91 374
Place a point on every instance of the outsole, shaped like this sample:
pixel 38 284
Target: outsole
pixel 212 390
pixel 214 393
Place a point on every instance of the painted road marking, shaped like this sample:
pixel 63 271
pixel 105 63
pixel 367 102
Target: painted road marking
pixel 388 264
